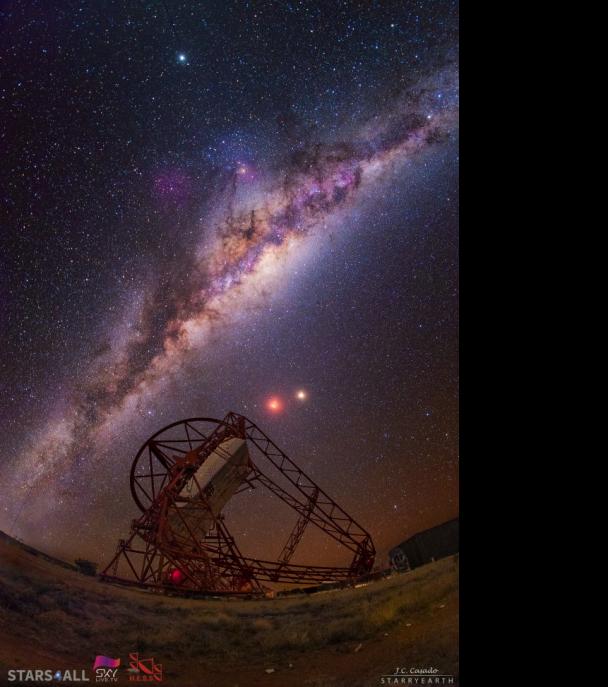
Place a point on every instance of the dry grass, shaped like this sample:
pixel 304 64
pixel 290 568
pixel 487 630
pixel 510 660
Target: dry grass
pixel 37 599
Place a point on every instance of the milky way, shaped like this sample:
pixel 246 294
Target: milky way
pixel 261 216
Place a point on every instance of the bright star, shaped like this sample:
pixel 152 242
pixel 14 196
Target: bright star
pixel 301 395
pixel 274 404
pixel 181 57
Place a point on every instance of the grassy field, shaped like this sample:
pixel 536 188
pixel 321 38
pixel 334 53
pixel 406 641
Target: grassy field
pixel 54 618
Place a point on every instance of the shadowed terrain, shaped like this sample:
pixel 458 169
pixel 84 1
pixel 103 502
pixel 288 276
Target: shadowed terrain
pixel 53 617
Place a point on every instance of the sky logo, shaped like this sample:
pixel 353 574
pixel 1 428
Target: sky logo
pixel 106 662
pixel 106 669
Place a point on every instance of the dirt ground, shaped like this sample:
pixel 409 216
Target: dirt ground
pixel 53 618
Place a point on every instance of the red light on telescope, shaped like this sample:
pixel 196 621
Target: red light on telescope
pixel 176 576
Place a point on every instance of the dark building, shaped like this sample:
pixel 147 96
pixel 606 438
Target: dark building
pixel 426 546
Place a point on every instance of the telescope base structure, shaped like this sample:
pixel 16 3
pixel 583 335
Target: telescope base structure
pixel 182 478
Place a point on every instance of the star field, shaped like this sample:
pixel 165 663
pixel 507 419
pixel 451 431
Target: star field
pixel 212 207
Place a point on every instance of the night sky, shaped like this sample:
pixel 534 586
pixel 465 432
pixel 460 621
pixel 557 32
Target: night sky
pixel 210 205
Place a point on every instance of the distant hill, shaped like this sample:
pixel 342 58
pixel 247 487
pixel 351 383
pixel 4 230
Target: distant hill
pixel 11 541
